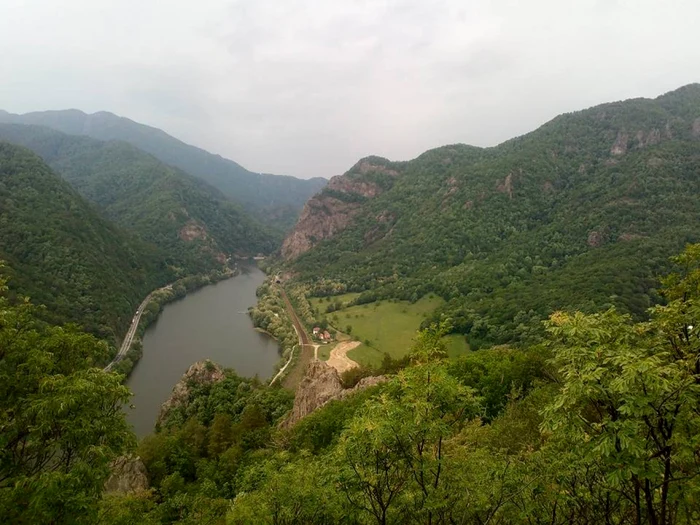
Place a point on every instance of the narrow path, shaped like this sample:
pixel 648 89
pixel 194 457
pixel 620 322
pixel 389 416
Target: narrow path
pixel 316 352
pixel 291 355
pixel 129 337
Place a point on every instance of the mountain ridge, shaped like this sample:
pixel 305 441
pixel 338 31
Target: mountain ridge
pixel 192 222
pixel 83 268
pixel 274 199
pixel 606 190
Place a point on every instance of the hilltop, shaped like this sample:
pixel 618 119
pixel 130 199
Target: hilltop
pixel 274 199
pixel 194 224
pixel 581 213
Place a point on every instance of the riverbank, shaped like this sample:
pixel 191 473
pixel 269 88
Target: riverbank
pixel 210 323
pixel 270 316
pixel 158 300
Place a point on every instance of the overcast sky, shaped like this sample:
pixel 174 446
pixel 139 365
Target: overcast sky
pixel 307 87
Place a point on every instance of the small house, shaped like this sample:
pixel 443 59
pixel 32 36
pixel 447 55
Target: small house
pixel 326 336
pixel 316 331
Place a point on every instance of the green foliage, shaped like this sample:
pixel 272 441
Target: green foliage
pixel 551 220
pixel 500 374
pixel 270 315
pixel 273 199
pixel 292 490
pixel 62 420
pixel 201 452
pixel 630 401
pixel 606 431
pixel 63 255
pixel 190 221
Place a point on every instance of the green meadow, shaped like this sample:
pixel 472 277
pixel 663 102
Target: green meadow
pixel 384 327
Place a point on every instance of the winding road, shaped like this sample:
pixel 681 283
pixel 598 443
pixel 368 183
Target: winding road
pixel 129 337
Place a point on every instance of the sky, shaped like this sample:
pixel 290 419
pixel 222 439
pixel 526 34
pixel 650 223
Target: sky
pixel 308 87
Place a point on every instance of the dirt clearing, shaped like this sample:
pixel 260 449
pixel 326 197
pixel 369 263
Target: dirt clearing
pixel 339 359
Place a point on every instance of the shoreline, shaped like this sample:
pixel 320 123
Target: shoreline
pixel 162 297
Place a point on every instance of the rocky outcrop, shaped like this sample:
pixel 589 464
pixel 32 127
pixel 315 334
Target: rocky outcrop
pixel 128 475
pixel 365 382
pixel 650 138
pixel 595 239
pixel 506 186
pixel 202 372
pixel 192 230
pixel 331 211
pixel 620 145
pixel 322 217
pixel 320 385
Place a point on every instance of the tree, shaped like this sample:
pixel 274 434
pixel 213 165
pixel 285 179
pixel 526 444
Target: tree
pixel 295 490
pixel 629 399
pixel 62 420
pixel 220 434
pixel 392 459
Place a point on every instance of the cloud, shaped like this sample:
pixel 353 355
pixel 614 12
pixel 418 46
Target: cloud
pixel 307 86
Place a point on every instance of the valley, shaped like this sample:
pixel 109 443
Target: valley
pixel 273 199
pixel 477 335
pixel 210 323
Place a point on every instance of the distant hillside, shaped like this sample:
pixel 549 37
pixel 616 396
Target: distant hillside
pixel 194 224
pixel 64 255
pixel 274 199
pixel 581 213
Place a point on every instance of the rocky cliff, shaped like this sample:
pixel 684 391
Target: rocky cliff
pixel 202 372
pixel 321 384
pixel 128 475
pixel 329 212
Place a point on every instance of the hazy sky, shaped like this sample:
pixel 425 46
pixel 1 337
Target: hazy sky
pixel 307 87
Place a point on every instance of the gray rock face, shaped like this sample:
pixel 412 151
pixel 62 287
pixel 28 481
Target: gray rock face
pixel 128 475
pixel 329 212
pixel 320 385
pixel 696 127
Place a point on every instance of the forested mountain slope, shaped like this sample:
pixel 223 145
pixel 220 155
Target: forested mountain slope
pixel 274 199
pixel 598 425
pixel 194 224
pixel 63 254
pixel 581 213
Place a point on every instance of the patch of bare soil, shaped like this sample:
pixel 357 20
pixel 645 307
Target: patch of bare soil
pixel 339 359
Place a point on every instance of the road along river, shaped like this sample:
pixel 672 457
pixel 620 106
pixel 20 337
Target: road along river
pixel 211 323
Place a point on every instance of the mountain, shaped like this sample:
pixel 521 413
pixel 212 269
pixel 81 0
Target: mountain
pixel 276 200
pixel 192 222
pixel 64 255
pixel 581 213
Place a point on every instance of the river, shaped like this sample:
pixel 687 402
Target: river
pixel 210 323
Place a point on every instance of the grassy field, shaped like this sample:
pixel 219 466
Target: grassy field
pixel 324 352
pixel 321 303
pixel 384 327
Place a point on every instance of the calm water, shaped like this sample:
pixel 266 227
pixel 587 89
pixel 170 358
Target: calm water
pixel 208 323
